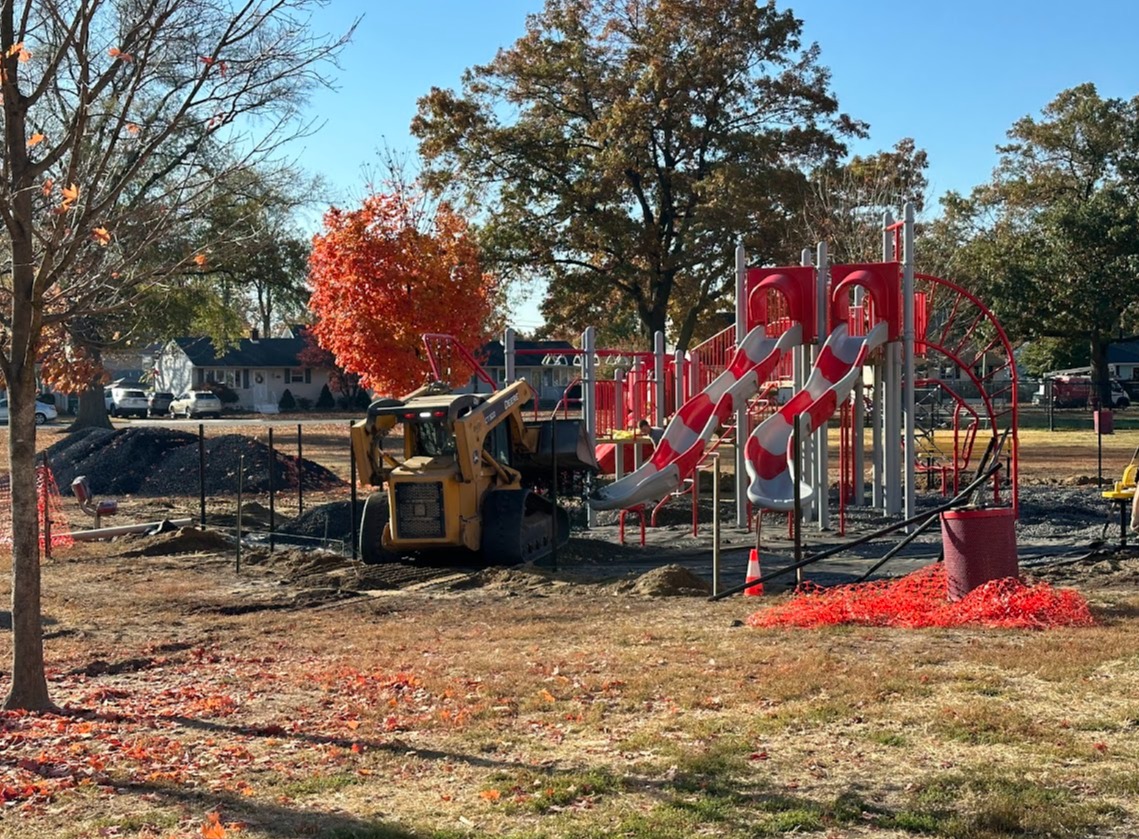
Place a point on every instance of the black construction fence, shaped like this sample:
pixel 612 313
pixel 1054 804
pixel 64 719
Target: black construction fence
pixel 293 484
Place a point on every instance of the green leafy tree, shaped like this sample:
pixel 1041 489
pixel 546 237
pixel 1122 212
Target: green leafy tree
pixel 1052 242
pixel 241 263
pixel 621 149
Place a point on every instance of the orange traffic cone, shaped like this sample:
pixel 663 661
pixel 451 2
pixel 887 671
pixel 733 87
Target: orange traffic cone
pixel 753 574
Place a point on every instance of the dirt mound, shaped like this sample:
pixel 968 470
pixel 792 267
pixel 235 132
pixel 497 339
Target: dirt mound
pixel 115 462
pixel 177 474
pixel 161 461
pixel 326 521
pixel 671 581
pixel 183 540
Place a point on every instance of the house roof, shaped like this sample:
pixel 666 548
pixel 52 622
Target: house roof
pixel 1123 352
pixel 495 355
pixel 264 352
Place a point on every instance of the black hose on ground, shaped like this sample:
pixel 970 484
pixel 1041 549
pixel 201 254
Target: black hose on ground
pixel 992 452
pixel 862 540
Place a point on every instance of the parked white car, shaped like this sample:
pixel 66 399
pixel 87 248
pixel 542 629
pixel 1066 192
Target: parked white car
pixel 196 403
pixel 125 402
pixel 45 412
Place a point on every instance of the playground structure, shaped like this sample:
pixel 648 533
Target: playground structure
pixel 850 338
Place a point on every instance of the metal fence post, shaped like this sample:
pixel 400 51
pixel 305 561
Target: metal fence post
pixel 202 474
pixel 352 489
pixel 300 472
pixel 272 494
pixel 240 488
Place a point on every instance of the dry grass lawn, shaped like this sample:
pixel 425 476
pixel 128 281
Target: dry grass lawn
pixel 587 714
pixel 578 712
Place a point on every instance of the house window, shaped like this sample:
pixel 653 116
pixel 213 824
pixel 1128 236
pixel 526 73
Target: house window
pixel 229 378
pixel 298 375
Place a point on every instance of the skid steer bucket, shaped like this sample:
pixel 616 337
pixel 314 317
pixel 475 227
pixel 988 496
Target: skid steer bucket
pixel 564 441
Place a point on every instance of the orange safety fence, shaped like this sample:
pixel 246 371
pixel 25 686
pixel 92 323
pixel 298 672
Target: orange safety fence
pixel 919 600
pixel 49 510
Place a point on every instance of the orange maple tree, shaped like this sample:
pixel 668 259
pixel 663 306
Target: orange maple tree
pixel 387 273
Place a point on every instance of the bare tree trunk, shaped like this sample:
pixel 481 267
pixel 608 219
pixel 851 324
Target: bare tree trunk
pixel 92 411
pixel 29 685
pixel 1101 380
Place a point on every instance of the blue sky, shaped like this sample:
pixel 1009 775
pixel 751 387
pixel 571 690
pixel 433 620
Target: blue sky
pixel 952 75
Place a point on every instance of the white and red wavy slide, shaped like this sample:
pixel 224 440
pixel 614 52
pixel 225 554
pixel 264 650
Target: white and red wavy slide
pixel 686 437
pixel 768 453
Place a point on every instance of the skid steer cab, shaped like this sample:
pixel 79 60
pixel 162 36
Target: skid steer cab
pixel 466 480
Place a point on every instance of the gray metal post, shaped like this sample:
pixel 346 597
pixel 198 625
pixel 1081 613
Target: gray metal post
pixel 877 466
pixel 810 356
pixel 891 399
pixel 715 523
pixel 508 355
pixel 908 356
pixel 589 405
pixel 741 410
pixel 619 400
pixel 658 379
pixel 893 429
pixel 679 392
pixel 881 384
pixel 822 464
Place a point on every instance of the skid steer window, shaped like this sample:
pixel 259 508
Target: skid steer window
pixel 433 439
pixel 498 445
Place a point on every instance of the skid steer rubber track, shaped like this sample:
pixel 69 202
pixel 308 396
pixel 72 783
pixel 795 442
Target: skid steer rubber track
pixel 520 526
pixel 372 523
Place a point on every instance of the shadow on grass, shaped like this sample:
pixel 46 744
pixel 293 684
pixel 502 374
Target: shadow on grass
pixel 276 819
pixel 1115 612
pixel 277 732
pixel 721 789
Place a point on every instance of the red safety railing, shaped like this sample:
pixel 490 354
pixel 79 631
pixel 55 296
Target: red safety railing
pixel 441 352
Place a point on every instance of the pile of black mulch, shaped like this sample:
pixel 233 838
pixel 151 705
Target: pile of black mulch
pixel 326 521
pixel 115 462
pixel 152 461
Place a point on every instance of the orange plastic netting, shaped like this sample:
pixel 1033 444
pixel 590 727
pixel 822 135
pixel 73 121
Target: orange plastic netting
pixel 919 600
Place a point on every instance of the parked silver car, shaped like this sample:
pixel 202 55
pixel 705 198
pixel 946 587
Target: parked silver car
pixel 159 402
pixel 196 403
pixel 45 411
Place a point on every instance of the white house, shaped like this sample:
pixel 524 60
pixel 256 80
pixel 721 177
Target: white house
pixel 541 363
pixel 258 370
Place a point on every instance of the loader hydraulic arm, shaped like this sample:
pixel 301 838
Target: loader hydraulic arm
pixel 472 429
